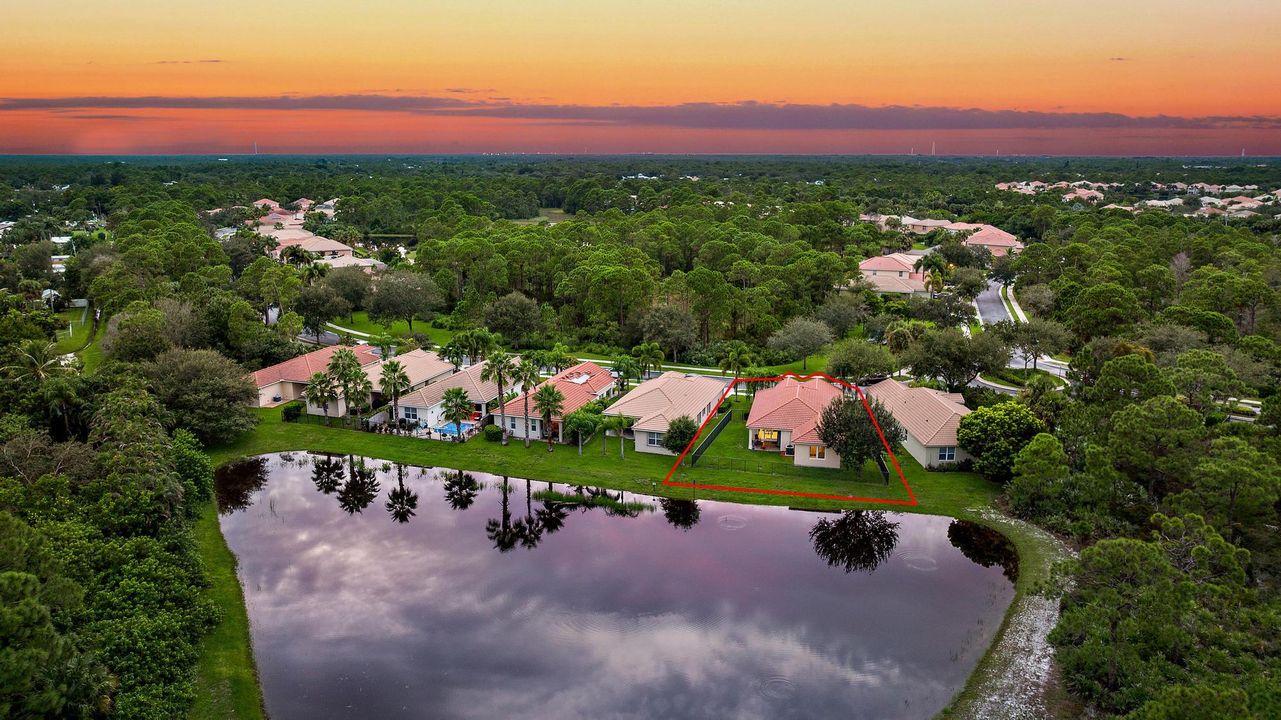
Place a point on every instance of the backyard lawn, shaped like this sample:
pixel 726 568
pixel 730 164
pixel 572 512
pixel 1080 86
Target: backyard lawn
pixel 360 322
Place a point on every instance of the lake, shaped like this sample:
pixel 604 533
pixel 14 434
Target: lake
pixel 377 590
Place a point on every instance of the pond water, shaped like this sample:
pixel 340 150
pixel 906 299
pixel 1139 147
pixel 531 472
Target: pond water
pixel 384 591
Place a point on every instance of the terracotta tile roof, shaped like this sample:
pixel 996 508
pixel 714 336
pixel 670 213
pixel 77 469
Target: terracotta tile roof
pixel 929 416
pixel 420 365
pixel 468 379
pixel 301 368
pixel 791 405
pixel 656 402
pixel 908 285
pixel 580 385
pixel 894 262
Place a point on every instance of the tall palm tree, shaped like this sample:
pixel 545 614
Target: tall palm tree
pixel 345 369
pixel 313 271
pixel 361 388
pixel 649 355
pixel 934 282
pixel 38 361
pixel 320 391
pixel 499 369
pixel 550 402
pixel 456 407
pixel 453 353
pixel 580 424
pixel 385 343
pixel 737 359
pixel 626 367
pixel 527 377
pixel 393 382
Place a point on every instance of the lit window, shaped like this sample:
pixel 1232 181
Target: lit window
pixel 818 452
pixel 947 454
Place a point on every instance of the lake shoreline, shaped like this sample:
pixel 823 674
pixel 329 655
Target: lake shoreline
pixel 985 688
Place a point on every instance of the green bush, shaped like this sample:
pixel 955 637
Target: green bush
pixel 291 412
pixel 493 433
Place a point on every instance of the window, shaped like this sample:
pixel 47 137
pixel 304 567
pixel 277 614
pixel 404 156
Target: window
pixel 411 413
pixel 654 439
pixel 533 426
pixel 947 454
pixel 511 424
pixel 817 452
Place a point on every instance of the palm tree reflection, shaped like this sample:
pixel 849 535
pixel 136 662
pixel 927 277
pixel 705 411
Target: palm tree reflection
pixel 327 474
pixel 857 540
pixel 461 488
pixel 401 502
pixel 501 531
pixel 360 489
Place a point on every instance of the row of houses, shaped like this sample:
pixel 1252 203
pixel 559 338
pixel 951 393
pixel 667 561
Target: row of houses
pixel 286 228
pixel 783 419
pixel 997 241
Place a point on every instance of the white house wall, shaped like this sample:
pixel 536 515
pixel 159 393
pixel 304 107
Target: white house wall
pixel 802 457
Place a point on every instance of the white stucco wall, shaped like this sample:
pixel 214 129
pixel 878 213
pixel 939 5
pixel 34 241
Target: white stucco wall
pixel 802 457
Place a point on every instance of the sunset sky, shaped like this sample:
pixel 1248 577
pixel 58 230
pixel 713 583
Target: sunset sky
pixel 975 77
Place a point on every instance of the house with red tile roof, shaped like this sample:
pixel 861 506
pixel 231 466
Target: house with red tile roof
pixel 283 382
pixel 894 274
pixel 996 240
pixel 786 417
pixel 929 417
pixel 424 407
pixel 580 385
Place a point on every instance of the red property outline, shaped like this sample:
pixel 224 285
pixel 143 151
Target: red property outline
pixel 911 502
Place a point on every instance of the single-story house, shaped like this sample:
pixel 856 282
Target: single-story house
pixel 653 405
pixel 996 240
pixel 580 385
pixel 422 367
pixel 283 382
pixel 425 406
pixel 894 274
pixel 929 417
pixel 785 417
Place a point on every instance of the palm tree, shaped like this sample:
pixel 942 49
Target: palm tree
pixel 934 282
pixel 385 343
pixel 320 391
pixel 527 377
pixel 617 423
pixel 346 372
pixel 61 396
pixel 499 369
pixel 456 407
pixel 313 271
pixel 550 402
pixel 401 501
pixel 754 385
pixel 649 355
pixel 453 353
pixel 478 343
pixel 580 424
pixel 737 359
pixel 38 361
pixel 296 255
pixel 361 388
pixel 394 381
pixel 626 367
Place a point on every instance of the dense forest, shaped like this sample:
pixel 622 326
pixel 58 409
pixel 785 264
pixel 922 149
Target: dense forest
pixel 1158 459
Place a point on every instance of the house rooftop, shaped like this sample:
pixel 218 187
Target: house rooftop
pixel 580 385
pixel 301 368
pixel 656 402
pixel 420 365
pixel 929 416
pixel 479 391
pixel 792 405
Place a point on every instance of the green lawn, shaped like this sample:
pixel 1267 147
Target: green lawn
pixel 1018 377
pixel 74 326
pixel 227 679
pixel 551 215
pixel 360 322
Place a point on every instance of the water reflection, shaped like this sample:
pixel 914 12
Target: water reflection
pixel 401 501
pixel 683 514
pixel 236 482
pixel 596 605
pixel 984 546
pixel 857 540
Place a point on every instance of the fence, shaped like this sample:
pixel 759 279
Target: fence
pixel 711 436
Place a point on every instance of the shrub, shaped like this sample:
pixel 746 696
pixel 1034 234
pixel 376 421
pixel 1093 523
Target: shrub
pixel 493 433
pixel 291 412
